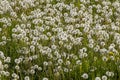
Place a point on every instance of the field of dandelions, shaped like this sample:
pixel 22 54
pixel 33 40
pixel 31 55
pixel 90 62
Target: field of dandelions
pixel 59 39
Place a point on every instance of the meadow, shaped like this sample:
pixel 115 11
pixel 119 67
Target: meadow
pixel 59 39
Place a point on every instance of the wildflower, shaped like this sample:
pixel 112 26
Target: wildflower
pixel 54 47
pixel 85 54
pixel 14 75
pixel 90 45
pixel 17 61
pixel 110 74
pixel 45 78
pixel 34 57
pixel 17 67
pixel 111 53
pixel 3 37
pixel 6 66
pixel 66 70
pixel 104 58
pixel 8 60
pixel 112 57
pixel 32 71
pixel 1 54
pixel 39 68
pixel 60 61
pixel 27 78
pixel 68 62
pixel 78 62
pixel 97 78
pixel 32 48
pixel 45 63
pixel 36 66
pixel 104 77
pixel 85 76
pixel 7 73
